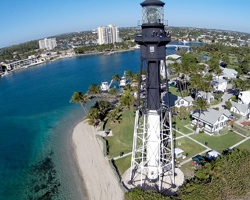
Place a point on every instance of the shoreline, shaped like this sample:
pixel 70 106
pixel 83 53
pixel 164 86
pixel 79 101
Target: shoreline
pixel 99 182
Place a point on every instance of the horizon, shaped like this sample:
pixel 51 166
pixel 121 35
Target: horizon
pixel 37 20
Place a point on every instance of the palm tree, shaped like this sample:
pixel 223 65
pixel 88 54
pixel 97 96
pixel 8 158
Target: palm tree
pixel 93 116
pixel 116 78
pixel 113 91
pixel 113 115
pixel 200 104
pixel 78 97
pixel 94 89
pixel 195 82
pixel 177 70
pixel 129 74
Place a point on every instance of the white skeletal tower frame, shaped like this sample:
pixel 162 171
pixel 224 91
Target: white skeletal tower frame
pixel 153 148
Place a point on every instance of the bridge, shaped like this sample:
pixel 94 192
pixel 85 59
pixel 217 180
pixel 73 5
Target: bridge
pixel 178 46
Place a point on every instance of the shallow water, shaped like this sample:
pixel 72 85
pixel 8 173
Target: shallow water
pixel 37 121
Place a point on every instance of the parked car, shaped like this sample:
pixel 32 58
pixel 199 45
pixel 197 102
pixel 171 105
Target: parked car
pixel 198 159
pixel 212 155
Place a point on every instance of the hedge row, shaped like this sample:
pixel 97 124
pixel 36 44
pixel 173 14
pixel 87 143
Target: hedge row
pixel 117 175
pixel 105 148
pixel 241 130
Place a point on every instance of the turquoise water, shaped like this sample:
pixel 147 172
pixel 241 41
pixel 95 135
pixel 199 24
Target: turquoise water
pixel 37 121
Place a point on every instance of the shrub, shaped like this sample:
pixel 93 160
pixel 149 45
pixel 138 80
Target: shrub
pixel 224 131
pixel 216 108
pixel 228 105
pixel 241 130
pixel 139 194
pixel 234 99
pixel 194 128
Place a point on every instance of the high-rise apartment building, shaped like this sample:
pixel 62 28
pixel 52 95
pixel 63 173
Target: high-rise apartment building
pixel 109 34
pixel 47 43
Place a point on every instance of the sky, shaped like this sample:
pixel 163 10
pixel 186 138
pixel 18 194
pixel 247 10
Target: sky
pixel 26 20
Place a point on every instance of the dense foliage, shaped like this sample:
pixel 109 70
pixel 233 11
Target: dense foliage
pixel 227 177
pixel 20 49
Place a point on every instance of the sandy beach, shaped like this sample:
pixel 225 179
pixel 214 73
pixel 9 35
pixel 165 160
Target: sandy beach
pixel 99 180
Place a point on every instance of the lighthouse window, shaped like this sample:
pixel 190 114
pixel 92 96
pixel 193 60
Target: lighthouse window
pixel 152 14
pixel 152 49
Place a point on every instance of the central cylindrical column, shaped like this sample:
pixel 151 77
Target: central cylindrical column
pixel 153 85
pixel 153 144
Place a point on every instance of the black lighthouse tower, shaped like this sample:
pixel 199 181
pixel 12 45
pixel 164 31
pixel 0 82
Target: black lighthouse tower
pixel 153 43
pixel 153 149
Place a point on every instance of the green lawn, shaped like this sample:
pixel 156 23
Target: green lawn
pixel 122 141
pixel 245 145
pixel 123 164
pixel 173 91
pixel 218 143
pixel 177 123
pixel 188 146
pixel 176 134
pixel 188 169
pixel 214 102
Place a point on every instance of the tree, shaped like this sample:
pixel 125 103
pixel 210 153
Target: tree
pixel 93 116
pixel 113 91
pixel 228 105
pixel 78 97
pixel 129 74
pixel 200 104
pixel 113 115
pixel 127 100
pixel 94 89
pixel 183 114
pixel 175 109
pixel 116 78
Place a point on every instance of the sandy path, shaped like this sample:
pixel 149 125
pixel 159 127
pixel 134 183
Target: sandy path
pixel 98 177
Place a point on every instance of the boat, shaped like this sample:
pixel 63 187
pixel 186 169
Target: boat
pixel 6 73
pixel 105 86
pixel 123 81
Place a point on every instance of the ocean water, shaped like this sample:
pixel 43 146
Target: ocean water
pixel 37 121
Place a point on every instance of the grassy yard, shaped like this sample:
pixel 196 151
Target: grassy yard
pixel 214 102
pixel 123 164
pixel 245 145
pixel 188 169
pixel 178 125
pixel 218 143
pixel 173 91
pixel 122 141
pixel 189 147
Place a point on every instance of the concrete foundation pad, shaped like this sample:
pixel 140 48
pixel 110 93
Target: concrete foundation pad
pixel 165 183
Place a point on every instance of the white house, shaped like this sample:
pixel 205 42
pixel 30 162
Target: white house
pixel 242 109
pixel 244 97
pixel 205 95
pixel 174 56
pixel 211 120
pixel 228 73
pixel 219 85
pixel 178 101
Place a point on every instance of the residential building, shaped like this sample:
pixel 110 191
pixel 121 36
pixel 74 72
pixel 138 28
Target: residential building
pixel 109 34
pixel 208 96
pixel 244 97
pixel 47 43
pixel 228 73
pixel 174 56
pixel 241 109
pixel 219 85
pixel 210 120
pixel 178 101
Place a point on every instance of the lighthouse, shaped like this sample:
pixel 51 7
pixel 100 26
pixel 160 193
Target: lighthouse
pixel 153 150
